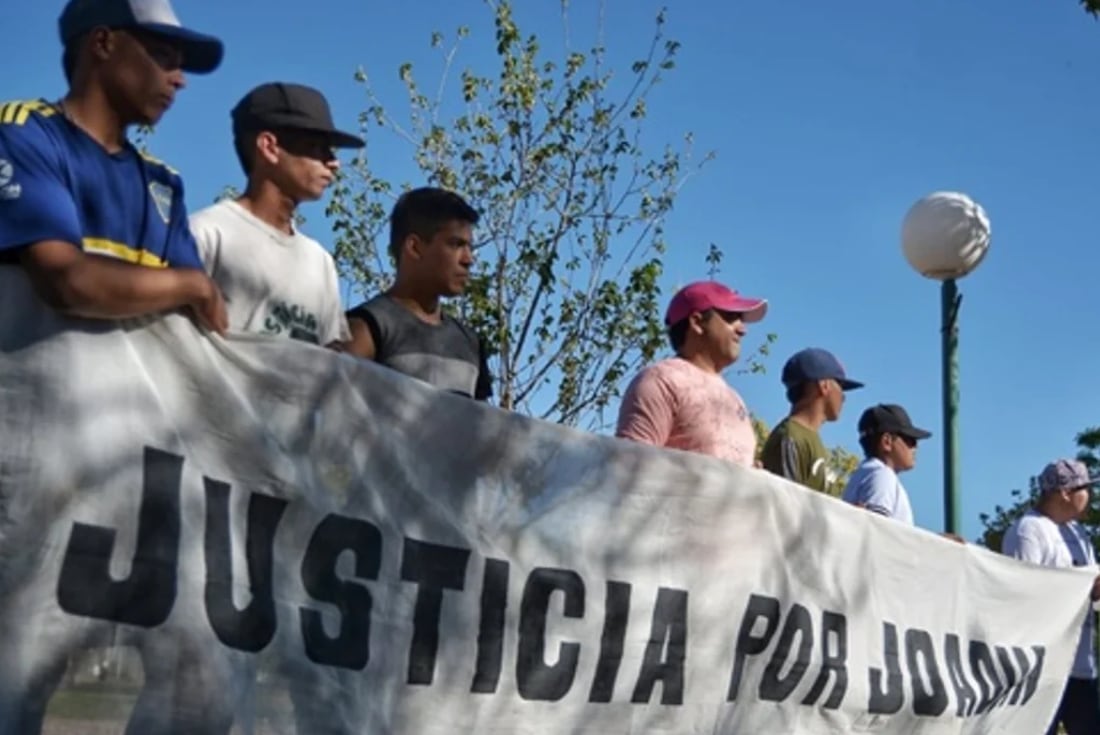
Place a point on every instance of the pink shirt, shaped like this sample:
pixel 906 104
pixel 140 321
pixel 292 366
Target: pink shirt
pixel 675 404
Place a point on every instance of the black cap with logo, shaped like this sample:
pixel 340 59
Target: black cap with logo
pixel 282 105
pixel 889 418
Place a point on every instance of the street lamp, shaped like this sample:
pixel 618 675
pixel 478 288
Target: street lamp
pixel 944 236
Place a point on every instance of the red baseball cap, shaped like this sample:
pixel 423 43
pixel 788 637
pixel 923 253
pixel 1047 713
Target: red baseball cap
pixel 703 295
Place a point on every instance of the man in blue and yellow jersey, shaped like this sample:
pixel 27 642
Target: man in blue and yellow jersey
pixel 100 228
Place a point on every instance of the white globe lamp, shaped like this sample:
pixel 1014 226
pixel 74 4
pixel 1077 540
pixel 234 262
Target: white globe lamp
pixel 945 235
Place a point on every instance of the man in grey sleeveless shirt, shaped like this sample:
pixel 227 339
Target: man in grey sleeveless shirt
pixel 405 328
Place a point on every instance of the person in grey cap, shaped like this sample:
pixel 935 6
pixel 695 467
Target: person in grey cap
pixel 889 442
pixel 100 228
pixel 1050 535
pixel 277 280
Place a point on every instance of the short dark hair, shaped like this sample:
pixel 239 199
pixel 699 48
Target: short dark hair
pixel 423 212
pixel 869 444
pixel 677 333
pixel 244 145
pixel 797 392
pixel 69 57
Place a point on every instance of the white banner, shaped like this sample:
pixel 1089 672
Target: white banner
pixel 198 535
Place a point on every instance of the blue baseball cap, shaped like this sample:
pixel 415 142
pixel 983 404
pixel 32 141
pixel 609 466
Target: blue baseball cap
pixel 814 364
pixel 201 53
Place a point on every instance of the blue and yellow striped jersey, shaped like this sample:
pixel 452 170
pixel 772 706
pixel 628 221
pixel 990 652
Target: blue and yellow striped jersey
pixel 57 183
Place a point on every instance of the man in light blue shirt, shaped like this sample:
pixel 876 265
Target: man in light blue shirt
pixel 889 441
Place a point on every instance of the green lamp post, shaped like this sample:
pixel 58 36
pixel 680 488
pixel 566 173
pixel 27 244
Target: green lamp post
pixel 945 236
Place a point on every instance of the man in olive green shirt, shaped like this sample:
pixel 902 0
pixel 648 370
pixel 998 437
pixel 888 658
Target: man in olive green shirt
pixel 815 382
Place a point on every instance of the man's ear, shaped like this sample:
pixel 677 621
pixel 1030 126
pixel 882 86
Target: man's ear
pixel 695 323
pixel 102 42
pixel 266 147
pixel 412 247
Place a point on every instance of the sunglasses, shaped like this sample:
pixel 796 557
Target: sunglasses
pixel 906 440
pixel 729 317
pixel 165 53
pixel 306 144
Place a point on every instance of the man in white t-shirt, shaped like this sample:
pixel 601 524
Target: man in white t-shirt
pixel 889 441
pixel 1049 535
pixel 276 280
pixel 683 402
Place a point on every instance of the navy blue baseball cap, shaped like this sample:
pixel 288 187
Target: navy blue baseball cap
pixel 201 53
pixel 814 364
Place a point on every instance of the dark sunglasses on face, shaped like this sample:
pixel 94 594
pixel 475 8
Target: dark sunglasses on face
pixel 165 53
pixel 730 317
pixel 907 440
pixel 306 145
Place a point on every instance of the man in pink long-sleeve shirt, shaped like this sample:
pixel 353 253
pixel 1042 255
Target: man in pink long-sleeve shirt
pixel 683 402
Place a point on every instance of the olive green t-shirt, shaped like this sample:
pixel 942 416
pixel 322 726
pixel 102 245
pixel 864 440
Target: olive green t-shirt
pixel 796 452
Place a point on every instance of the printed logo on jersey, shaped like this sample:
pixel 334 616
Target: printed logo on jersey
pixel 162 198
pixel 8 188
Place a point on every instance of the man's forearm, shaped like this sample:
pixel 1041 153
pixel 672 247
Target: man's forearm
pixel 99 287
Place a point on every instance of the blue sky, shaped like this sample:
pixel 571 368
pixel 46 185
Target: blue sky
pixel 829 120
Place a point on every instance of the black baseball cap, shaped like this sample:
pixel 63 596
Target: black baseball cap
pixel 282 105
pixel 889 418
pixel 201 53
